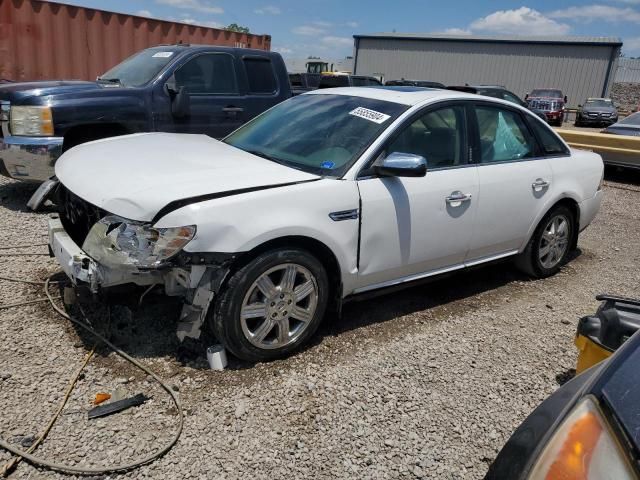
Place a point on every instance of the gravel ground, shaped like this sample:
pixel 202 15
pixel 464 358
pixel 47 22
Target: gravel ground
pixel 425 383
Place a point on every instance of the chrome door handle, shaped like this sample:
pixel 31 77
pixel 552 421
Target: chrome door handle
pixel 458 198
pixel 539 184
pixel 233 109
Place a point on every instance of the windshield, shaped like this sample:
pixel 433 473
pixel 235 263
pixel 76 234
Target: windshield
pixel 321 134
pixel 633 119
pixel 598 103
pixel 546 93
pixel 140 68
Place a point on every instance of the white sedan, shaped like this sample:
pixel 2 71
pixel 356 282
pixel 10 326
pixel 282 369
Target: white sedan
pixel 327 195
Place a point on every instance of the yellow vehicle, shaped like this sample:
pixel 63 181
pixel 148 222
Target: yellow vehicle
pixel 600 335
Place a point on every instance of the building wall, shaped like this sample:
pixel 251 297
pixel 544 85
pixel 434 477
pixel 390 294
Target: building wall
pixel 579 70
pixel 628 70
pixel 41 40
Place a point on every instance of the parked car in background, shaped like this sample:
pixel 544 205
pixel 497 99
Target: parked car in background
pixel 334 80
pixel 587 429
pixel 627 126
pixel 304 82
pixel 330 194
pixel 596 111
pixel 550 101
pixel 497 91
pixel 403 82
pixel 169 88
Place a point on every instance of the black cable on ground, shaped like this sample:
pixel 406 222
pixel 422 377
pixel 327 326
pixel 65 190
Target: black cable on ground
pixel 106 469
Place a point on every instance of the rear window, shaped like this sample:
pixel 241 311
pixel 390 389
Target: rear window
pixel 364 81
pixel 551 143
pixel 333 81
pixel 260 75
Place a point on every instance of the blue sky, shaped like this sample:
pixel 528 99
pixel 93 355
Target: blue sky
pixel 325 27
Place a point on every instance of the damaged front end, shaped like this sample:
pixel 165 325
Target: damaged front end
pixel 100 251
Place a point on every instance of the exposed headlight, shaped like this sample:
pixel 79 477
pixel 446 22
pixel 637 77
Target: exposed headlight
pixel 583 448
pixel 116 242
pixel 32 121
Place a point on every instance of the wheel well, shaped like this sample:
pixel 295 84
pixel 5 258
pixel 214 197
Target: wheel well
pixel 573 206
pixel 86 133
pixel 313 247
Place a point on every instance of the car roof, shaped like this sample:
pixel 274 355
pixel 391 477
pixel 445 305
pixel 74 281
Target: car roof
pixel 402 95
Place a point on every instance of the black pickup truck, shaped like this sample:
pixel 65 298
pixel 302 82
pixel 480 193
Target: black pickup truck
pixel 170 88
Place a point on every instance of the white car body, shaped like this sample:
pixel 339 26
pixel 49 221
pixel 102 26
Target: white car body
pixel 399 230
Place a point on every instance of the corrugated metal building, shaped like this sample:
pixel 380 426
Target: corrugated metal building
pixel 42 40
pixel 581 66
pixel 628 70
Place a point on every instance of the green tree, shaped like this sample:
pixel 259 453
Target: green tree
pixel 234 27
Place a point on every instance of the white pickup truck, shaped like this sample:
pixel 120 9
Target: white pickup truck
pixel 327 195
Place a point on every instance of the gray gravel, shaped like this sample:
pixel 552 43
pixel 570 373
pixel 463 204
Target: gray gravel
pixel 425 383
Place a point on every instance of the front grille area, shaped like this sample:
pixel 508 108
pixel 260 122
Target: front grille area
pixel 77 215
pixel 545 105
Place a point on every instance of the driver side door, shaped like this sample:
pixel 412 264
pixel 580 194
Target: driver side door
pixel 416 227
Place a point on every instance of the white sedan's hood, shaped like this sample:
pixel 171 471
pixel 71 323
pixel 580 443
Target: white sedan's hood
pixel 136 175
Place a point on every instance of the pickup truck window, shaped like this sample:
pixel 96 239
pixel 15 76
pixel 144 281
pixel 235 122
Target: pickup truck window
pixel 211 73
pixel 260 74
pixel 321 134
pixel 141 68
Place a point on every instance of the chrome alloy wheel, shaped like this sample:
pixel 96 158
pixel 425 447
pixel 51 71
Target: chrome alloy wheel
pixel 554 241
pixel 279 306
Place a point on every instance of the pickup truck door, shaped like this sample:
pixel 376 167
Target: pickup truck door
pixel 514 179
pixel 414 227
pixel 217 104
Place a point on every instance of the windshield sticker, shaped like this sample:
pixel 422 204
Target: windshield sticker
pixel 162 54
pixel 327 165
pixel 370 115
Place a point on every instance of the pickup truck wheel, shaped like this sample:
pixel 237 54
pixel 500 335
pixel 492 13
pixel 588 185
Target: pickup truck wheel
pixel 271 306
pixel 550 244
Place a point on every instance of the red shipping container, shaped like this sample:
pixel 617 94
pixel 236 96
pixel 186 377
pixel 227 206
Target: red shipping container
pixel 42 40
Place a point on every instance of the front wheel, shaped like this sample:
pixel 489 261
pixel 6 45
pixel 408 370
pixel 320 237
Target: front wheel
pixel 271 306
pixel 550 244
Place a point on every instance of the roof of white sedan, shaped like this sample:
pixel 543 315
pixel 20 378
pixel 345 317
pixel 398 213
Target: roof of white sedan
pixel 403 95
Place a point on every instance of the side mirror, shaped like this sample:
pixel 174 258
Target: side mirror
pixel 399 164
pixel 566 99
pixel 526 97
pixel 181 103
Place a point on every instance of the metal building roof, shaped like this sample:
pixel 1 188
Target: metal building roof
pixel 610 41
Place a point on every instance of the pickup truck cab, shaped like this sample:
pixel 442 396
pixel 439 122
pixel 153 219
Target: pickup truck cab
pixel 336 80
pixel 304 82
pixel 169 88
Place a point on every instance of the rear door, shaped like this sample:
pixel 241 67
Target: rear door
pixel 262 85
pixel 514 181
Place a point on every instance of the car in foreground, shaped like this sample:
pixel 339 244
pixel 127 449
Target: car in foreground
pixel 403 82
pixel 549 101
pixel 337 79
pixel 596 111
pixel 587 429
pixel 169 88
pixel 331 194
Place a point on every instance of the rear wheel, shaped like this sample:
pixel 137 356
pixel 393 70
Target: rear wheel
pixel 271 306
pixel 550 244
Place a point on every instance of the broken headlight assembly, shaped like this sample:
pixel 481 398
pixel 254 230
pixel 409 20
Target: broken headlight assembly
pixel 117 242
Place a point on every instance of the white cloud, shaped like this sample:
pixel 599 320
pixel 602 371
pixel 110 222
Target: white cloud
pixel 283 50
pixel 337 42
pixel 591 13
pixel 200 23
pixel 521 21
pixel 457 31
pixel 268 10
pixel 308 30
pixel 195 5
pixel 631 46
pixel 144 13
pixel 320 23
pixel 352 24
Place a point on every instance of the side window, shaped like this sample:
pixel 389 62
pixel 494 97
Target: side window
pixel 437 136
pixel 260 75
pixel 358 81
pixel 510 97
pixel 503 135
pixel 208 74
pixel 548 138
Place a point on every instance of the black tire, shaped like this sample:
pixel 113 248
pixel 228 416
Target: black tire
pixel 225 318
pixel 529 260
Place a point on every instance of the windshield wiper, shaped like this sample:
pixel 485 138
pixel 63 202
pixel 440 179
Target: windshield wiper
pixel 110 80
pixel 266 156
